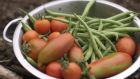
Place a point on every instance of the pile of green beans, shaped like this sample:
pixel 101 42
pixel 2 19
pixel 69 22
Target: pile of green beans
pixel 96 36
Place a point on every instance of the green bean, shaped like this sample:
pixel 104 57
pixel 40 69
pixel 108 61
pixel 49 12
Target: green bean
pixel 64 14
pixel 92 21
pixel 112 21
pixel 105 24
pixel 116 26
pixel 45 36
pixel 84 14
pixel 31 61
pixel 50 17
pixel 87 8
pixel 70 24
pixel 76 41
pixel 62 20
pixel 100 26
pixel 104 37
pixel 88 52
pixel 26 27
pixel 106 44
pixel 116 35
pixel 80 30
pixel 127 19
pixel 120 15
pixel 85 35
pixel 95 47
pixel 100 43
pixel 93 57
pixel 107 51
pixel 95 25
pixel 124 25
pixel 85 47
pixel 113 17
pixel 59 14
pixel 93 42
pixel 122 20
pixel 108 34
pixel 107 21
pixel 71 30
pixel 58 19
pixel 81 41
pixel 124 29
pixel 74 33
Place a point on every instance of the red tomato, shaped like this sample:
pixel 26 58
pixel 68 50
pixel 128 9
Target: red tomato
pixel 29 35
pixel 76 54
pixel 42 26
pixel 54 69
pixel 73 71
pixel 110 65
pixel 126 45
pixel 53 35
pixel 57 26
pixel 56 48
pixel 36 45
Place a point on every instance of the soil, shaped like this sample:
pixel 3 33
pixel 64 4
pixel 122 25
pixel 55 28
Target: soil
pixel 9 9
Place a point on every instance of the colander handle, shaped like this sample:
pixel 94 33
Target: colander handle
pixel 7 26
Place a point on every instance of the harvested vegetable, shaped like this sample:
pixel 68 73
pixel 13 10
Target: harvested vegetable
pixel 42 26
pixel 53 35
pixel 29 35
pixel 72 71
pixel 76 54
pixel 36 45
pixel 110 65
pixel 56 48
pixel 57 26
pixel 78 40
pixel 126 45
pixel 54 69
